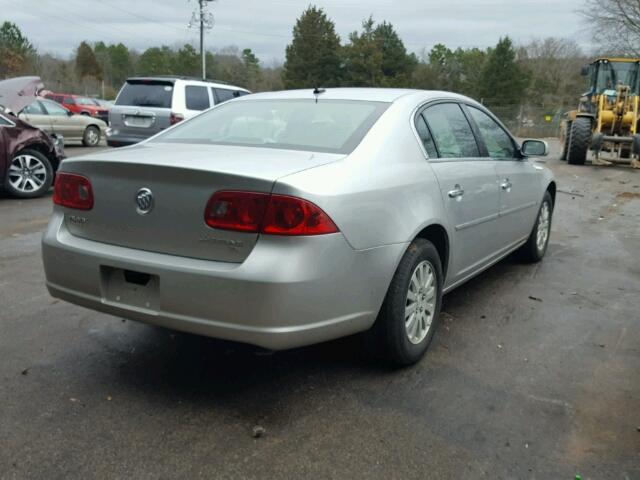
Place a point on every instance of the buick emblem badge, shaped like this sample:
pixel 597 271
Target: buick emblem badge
pixel 144 201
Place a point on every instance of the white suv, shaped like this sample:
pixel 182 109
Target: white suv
pixel 147 105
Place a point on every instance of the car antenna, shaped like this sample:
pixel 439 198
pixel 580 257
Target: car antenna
pixel 317 91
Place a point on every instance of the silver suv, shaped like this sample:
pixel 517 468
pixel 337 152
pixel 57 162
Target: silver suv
pixel 148 105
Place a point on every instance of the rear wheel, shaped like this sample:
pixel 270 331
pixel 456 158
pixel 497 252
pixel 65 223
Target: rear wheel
pixel 91 136
pixel 29 175
pixel 409 315
pixel 536 245
pixel 579 141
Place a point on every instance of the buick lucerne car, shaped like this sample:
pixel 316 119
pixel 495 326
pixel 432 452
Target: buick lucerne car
pixel 290 218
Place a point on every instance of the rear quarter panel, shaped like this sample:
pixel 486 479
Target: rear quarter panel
pixel 383 193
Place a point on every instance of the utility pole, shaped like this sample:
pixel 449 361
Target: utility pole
pixel 202 19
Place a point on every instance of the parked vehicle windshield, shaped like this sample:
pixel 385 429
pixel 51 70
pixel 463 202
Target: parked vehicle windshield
pixel 146 93
pixel 335 126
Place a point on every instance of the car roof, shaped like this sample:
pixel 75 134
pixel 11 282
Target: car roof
pixel 388 95
pixel 173 78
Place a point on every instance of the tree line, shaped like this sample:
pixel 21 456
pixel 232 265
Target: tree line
pixel 544 73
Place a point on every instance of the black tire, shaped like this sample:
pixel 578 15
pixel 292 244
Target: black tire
pixel 564 139
pixel 579 141
pixel 91 136
pixel 388 338
pixel 530 252
pixel 23 190
pixel 635 146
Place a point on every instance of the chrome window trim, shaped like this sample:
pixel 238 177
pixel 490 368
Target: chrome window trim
pixel 11 123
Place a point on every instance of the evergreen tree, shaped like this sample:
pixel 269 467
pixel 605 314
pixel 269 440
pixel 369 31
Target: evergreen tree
pixel 187 61
pixel 86 62
pixel 377 57
pixel 156 61
pixel 502 81
pixel 313 57
pixel 364 57
pixel 252 68
pixel 397 65
pixel 17 54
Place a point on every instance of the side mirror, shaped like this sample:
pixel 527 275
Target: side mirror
pixel 534 148
pixel 69 113
pixel 585 71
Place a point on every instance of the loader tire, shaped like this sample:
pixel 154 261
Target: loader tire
pixel 564 139
pixel 579 141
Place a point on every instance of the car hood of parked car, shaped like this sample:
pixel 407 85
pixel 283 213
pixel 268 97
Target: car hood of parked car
pixel 16 93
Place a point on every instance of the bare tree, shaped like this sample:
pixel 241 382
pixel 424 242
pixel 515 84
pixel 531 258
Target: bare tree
pixel 554 65
pixel 616 24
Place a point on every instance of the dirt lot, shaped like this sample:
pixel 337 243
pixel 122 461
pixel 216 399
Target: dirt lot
pixel 534 374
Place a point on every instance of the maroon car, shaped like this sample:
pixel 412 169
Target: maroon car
pixel 29 156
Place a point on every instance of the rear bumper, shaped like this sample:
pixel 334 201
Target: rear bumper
pixel 289 292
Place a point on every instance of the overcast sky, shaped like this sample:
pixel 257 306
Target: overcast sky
pixel 58 26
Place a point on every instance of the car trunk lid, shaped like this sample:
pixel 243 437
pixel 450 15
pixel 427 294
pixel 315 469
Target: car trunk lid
pixel 181 179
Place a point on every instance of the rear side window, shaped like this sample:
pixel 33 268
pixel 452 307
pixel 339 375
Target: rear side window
pixel 196 98
pixel 451 131
pixel 224 94
pixel 58 98
pixel 425 136
pixel 498 142
pixel 146 93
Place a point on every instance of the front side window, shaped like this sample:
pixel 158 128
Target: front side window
pixel 196 98
pixel 68 101
pixel 451 131
pixel 55 109
pixel 335 126
pixel 498 142
pixel 4 122
pixel 34 108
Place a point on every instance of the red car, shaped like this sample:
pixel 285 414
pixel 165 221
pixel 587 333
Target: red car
pixel 80 105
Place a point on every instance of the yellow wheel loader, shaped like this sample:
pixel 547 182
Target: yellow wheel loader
pixel 608 115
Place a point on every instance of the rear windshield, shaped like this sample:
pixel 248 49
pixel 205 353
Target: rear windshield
pixel 334 126
pixel 146 93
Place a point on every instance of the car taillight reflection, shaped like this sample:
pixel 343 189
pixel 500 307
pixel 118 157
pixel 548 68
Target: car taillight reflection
pixel 73 191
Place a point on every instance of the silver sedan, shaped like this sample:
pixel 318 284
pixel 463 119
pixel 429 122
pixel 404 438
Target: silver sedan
pixel 291 218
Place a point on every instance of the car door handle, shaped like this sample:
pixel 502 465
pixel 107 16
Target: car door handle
pixel 457 192
pixel 506 185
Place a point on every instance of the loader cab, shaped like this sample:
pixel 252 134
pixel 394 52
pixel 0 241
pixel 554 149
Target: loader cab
pixel 605 74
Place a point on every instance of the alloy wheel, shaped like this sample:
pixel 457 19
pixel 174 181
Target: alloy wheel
pixel 27 173
pixel 421 301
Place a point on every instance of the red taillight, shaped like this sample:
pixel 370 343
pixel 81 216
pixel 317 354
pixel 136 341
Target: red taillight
pixel 295 216
pixel 175 118
pixel 271 214
pixel 73 191
pixel 240 211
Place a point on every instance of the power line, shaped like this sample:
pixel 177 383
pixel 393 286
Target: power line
pixel 142 17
